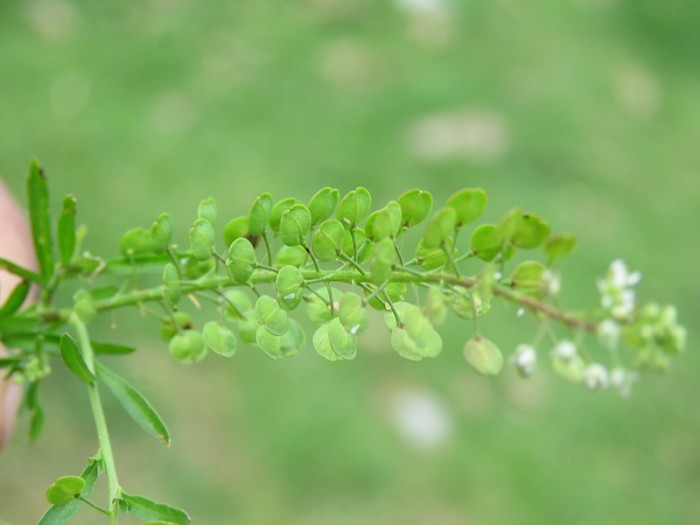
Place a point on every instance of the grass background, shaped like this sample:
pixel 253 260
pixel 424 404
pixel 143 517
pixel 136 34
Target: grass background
pixel 585 112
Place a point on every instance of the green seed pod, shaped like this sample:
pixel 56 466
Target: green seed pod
pixel 295 224
pixel 333 342
pixel 417 338
pixel 528 278
pixel 354 206
pixel 278 209
pixel 416 205
pixel 134 242
pixel 465 304
pixel 294 340
pixel 269 343
pixel 291 256
pixel 289 284
pixel 235 229
pixel 382 261
pixel 240 263
pixel 259 214
pixel 352 313
pixel 364 248
pixel 558 246
pixel 403 308
pixel 202 239
pixel 237 303
pixel 188 347
pixel 327 241
pixel 248 327
pixel 483 356
pixel 486 242
pixel 65 489
pixel 322 205
pixel 440 228
pixel 161 233
pixel 322 343
pixel 395 291
pixel 433 258
pixel 403 345
pixel 219 339
pixel 469 204
pixel 168 330
pixel 435 306
pixel 193 269
pixel 271 315
pixel 531 233
pixel 207 210
pixel 171 284
pixel 317 308
pixel 510 224
pixel 384 223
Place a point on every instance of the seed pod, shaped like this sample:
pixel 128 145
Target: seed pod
pixel 161 233
pixel 291 256
pixel 417 338
pixel 202 239
pixel 440 228
pixel 295 224
pixel 529 279
pixel 531 233
pixel 271 316
pixel 219 339
pixel 468 204
pixel 483 356
pixel 352 313
pixel 317 308
pixel 171 284
pixel 395 291
pixel 259 214
pixel 269 343
pixel 382 261
pixel 278 209
pixel 364 248
pixel 194 269
pixel 248 327
pixel 168 330
pixel 559 246
pixel 327 241
pixel 240 263
pixel 487 242
pixel 433 258
pixel 354 206
pixel 236 228
pixel 188 347
pixel 134 242
pixel 384 223
pixel 207 210
pixel 294 340
pixel 289 284
pixel 84 306
pixel 435 306
pixel 65 489
pixel 322 204
pixel 416 205
pixel 237 303
pixel 333 342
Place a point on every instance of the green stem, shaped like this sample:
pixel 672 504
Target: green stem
pixel 99 417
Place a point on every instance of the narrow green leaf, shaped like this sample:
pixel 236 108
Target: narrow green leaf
pixel 147 509
pixel 40 217
pixel 73 359
pixel 111 348
pixel 19 271
pixel 135 404
pixel 62 514
pixel 66 230
pixel 15 300
pixel 36 424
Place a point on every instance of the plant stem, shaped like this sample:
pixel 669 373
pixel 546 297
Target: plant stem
pixel 99 417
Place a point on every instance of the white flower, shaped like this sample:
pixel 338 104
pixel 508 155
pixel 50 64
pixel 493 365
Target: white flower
pixel 520 312
pixel 622 380
pixel 564 350
pixel 609 333
pixel 616 291
pixel 595 377
pixel 525 360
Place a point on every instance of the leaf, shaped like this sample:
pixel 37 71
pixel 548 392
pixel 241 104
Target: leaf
pixel 135 404
pixel 111 348
pixel 66 230
pixel 19 271
pixel 36 424
pixel 61 514
pixel 16 299
pixel 73 359
pixel 147 509
pixel 65 489
pixel 40 217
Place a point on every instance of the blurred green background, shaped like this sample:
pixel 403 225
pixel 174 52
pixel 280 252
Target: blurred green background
pixel 586 112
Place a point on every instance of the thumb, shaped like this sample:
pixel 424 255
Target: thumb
pixel 16 246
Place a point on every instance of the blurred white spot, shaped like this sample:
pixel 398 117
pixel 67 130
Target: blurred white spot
pixel 429 21
pixel 421 419
pixel 637 90
pixel 347 64
pixel 52 19
pixel 173 114
pixel 422 7
pixel 69 94
pixel 474 135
